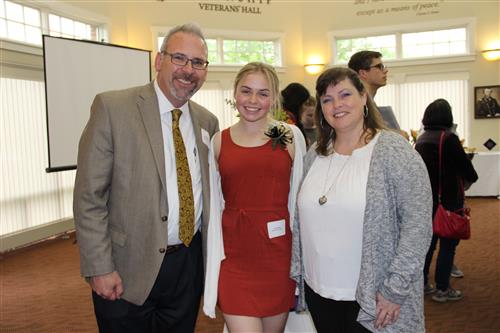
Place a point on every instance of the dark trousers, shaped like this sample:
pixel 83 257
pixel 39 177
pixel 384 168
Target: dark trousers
pixel 444 261
pixel 330 316
pixel 172 305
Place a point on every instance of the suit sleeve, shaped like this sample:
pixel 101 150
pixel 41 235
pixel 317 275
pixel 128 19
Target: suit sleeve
pixel 91 193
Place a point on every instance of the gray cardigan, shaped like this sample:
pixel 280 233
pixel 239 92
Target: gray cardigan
pixel 397 230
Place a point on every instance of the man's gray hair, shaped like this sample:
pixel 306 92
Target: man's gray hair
pixel 189 28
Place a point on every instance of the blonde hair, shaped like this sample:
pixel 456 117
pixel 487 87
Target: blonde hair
pixel 270 75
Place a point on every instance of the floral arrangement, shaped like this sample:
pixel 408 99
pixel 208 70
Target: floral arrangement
pixel 413 136
pixel 231 103
pixel 279 134
pixel 282 115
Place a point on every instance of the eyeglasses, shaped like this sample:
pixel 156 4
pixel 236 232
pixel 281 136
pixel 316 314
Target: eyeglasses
pixel 380 66
pixel 180 59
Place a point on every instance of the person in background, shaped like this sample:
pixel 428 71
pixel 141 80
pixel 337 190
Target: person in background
pixel 140 190
pixel 306 120
pixel 255 168
pixel 371 70
pixel 364 217
pixel 456 168
pixel 292 98
pixel 456 272
pixel 373 73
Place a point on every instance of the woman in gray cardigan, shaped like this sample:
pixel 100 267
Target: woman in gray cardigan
pixel 363 222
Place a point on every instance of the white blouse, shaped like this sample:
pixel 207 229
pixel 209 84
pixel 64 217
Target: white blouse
pixel 331 234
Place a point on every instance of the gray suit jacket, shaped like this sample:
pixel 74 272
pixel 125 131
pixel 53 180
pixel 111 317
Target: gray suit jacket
pixel 120 203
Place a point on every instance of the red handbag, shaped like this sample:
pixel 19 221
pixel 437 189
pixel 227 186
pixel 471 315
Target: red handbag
pixel 450 224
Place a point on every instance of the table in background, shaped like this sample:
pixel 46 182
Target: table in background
pixel 487 165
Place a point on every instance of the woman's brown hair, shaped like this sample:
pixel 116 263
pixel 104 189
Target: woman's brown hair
pixel 326 134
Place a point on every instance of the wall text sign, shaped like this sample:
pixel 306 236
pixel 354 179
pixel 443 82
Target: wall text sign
pixel 235 6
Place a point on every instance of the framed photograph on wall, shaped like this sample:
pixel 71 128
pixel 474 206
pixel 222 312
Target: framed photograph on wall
pixel 486 102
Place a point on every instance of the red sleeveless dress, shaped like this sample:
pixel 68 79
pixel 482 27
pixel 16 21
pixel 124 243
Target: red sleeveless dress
pixel 254 278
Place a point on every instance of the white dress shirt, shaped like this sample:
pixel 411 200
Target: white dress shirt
pixel 187 131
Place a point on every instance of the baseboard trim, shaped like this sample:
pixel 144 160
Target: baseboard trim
pixel 27 236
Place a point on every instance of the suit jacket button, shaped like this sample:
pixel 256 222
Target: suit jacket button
pixel 164 218
pixel 162 250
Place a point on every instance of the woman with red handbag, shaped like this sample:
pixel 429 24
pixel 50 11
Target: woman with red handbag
pixel 447 173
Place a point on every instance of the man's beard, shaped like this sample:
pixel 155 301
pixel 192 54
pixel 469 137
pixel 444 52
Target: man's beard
pixel 189 94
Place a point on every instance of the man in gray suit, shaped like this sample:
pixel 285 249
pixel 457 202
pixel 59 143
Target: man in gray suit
pixel 126 199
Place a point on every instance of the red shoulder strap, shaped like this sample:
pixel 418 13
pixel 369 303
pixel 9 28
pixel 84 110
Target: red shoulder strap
pixel 441 139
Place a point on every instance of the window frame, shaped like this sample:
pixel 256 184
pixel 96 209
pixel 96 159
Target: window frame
pixel 100 22
pixel 220 35
pixel 469 23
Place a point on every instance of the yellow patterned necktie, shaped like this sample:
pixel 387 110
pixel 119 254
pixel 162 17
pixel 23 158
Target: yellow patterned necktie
pixel 186 201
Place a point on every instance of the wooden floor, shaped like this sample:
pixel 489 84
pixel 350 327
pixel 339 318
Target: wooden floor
pixel 41 291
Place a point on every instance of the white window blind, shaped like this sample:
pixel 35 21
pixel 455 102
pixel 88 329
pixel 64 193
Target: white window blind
pixel 213 97
pixel 29 197
pixel 409 100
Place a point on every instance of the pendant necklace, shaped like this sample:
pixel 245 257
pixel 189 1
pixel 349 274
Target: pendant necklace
pixel 323 199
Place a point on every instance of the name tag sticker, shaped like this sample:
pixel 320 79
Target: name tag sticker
pixel 276 228
pixel 205 137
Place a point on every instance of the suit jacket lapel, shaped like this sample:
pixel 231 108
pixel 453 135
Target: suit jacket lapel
pixel 147 103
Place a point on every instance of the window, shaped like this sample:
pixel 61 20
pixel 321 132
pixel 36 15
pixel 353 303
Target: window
pixel 20 23
pixel 244 51
pixel 30 197
pixel 406 43
pixel 26 24
pixel 212 46
pixel 228 48
pixel 383 44
pixel 434 43
pixel 64 27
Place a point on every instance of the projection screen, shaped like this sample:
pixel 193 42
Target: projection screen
pixel 75 71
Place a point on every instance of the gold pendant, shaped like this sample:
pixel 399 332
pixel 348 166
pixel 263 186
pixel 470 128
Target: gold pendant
pixel 322 200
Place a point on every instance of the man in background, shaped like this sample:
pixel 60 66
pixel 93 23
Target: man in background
pixel 373 73
pixel 141 199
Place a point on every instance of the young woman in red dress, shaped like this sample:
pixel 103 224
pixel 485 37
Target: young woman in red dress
pixel 255 292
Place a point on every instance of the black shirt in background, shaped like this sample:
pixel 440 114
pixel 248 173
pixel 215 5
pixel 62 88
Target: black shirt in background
pixel 456 166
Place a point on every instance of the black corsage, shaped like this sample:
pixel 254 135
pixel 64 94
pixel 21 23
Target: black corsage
pixel 279 134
